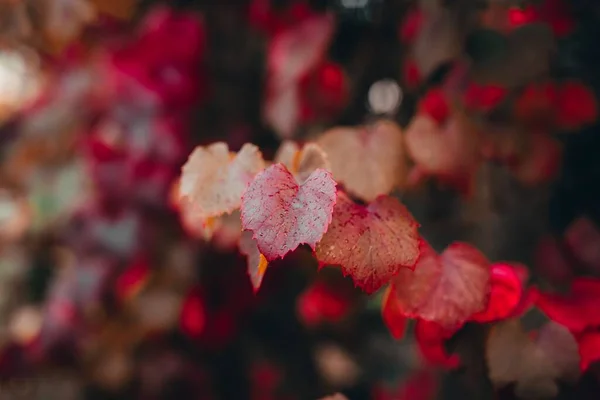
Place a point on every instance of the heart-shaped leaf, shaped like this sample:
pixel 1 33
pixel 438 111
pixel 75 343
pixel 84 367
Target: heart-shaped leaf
pixel 371 243
pixel 213 179
pixel 283 214
pixel 446 288
pixel 368 161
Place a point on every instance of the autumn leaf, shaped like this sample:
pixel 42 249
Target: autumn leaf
pixel 283 214
pixel 213 179
pixel 371 243
pixel 392 315
pixel 431 339
pixel 446 288
pixel 368 161
pixel 257 263
pixel 578 309
pixel 506 291
pixel 534 365
pixel 589 348
pixel 451 150
pixel 301 162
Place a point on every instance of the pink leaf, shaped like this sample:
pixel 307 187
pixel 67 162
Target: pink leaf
pixel 213 179
pixel 446 288
pixel 371 243
pixel 368 161
pixel 257 263
pixel 282 214
pixel 302 162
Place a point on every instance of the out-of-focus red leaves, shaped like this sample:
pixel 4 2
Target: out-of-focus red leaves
pixel 542 162
pixel 323 91
pixel 283 214
pixel 447 288
pixel 371 243
pixel 369 161
pixel 264 379
pixel 582 237
pixel 536 105
pixel 589 348
pixel 506 291
pixel 577 106
pixel 264 17
pixel 551 262
pixel 518 16
pixel 483 97
pixel 392 315
pixel 295 54
pixel 410 26
pixel 322 303
pixel 430 340
pixel 193 315
pixel 411 74
pixel 577 310
pixel 132 279
pixel 556 13
pixel 435 104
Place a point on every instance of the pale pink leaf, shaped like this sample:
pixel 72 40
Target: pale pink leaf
pixel 213 179
pixel 257 263
pixel 371 243
pixel 283 214
pixel 282 109
pixel 446 288
pixel 301 162
pixel 534 365
pixel 443 150
pixel 368 161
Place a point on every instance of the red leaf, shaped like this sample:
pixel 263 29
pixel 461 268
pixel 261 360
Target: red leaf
pixel 435 105
pixel 446 288
pixel 521 16
pixel 132 279
pixel 368 161
pixel 430 339
pixel 506 290
pixel 577 106
pixel 578 310
pixel 537 103
pixel 193 315
pixel 411 25
pixel 589 349
pixel 484 97
pixel 392 315
pixel 371 243
pixel 321 303
pixel 282 214
pixel 257 263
